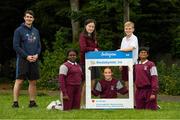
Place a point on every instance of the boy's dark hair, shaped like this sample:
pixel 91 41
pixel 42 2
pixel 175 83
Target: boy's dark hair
pixel 72 50
pixel 29 12
pixel 144 49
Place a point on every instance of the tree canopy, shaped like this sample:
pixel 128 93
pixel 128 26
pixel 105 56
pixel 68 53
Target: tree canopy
pixel 156 24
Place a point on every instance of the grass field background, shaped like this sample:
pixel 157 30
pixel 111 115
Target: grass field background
pixel 170 110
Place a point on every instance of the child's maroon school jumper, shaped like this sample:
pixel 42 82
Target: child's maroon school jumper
pixel 109 89
pixel 86 44
pixel 70 81
pixel 147 84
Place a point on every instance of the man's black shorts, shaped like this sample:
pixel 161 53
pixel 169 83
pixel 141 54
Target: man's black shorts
pixel 27 70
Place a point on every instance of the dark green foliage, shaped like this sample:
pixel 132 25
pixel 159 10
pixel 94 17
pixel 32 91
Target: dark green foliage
pixel 7 71
pixel 105 38
pixel 156 25
pixel 169 78
pixel 176 43
pixel 53 59
pixel 50 16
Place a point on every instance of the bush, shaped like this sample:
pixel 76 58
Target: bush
pixel 53 59
pixel 176 43
pixel 169 78
pixel 105 38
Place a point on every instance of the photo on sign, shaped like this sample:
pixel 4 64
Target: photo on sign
pixel 107 83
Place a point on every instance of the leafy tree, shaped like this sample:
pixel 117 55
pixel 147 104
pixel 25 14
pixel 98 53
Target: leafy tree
pixel 126 10
pixel 157 24
pixel 176 43
pixel 53 59
pixel 75 23
pixel 51 16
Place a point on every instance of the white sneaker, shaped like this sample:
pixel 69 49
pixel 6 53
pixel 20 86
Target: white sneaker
pixel 158 107
pixel 83 107
pixel 51 105
pixel 58 107
pixel 58 102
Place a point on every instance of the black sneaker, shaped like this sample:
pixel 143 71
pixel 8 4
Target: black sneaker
pixel 15 105
pixel 32 104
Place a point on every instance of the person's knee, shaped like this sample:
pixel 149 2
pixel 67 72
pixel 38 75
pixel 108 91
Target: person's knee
pixel 19 82
pixel 32 82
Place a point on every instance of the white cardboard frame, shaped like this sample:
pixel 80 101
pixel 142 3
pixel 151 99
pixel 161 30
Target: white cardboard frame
pixel 109 58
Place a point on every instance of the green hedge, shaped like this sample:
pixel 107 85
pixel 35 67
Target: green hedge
pixel 169 78
pixel 52 59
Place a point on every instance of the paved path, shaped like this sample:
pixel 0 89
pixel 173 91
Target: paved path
pixel 168 98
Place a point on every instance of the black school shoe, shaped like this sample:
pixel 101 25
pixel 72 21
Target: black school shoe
pixel 32 104
pixel 15 105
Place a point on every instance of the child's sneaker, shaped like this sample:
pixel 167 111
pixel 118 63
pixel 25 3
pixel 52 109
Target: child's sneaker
pixel 158 107
pixel 58 102
pixel 15 105
pixel 58 107
pixel 32 104
pixel 51 105
pixel 83 107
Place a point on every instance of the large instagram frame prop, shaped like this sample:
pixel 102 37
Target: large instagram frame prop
pixel 109 58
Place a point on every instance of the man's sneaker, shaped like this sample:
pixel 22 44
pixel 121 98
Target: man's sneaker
pixel 32 104
pixel 15 105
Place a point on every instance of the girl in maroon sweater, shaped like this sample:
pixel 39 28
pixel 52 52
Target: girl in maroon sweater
pixel 70 78
pixel 88 42
pixel 109 87
pixel 146 82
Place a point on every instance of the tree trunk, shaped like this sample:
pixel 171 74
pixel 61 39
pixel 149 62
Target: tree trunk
pixel 126 10
pixel 75 24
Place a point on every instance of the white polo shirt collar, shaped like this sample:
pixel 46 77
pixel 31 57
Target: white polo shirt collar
pixel 72 62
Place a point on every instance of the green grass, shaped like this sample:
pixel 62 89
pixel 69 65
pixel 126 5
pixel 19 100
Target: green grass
pixel 170 110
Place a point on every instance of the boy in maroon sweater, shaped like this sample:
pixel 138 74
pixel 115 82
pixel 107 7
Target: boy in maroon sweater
pixel 146 82
pixel 70 78
pixel 109 87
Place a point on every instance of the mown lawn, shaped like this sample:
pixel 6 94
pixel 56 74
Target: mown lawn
pixel 170 110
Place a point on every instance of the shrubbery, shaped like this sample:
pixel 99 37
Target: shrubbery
pixel 53 59
pixel 169 78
